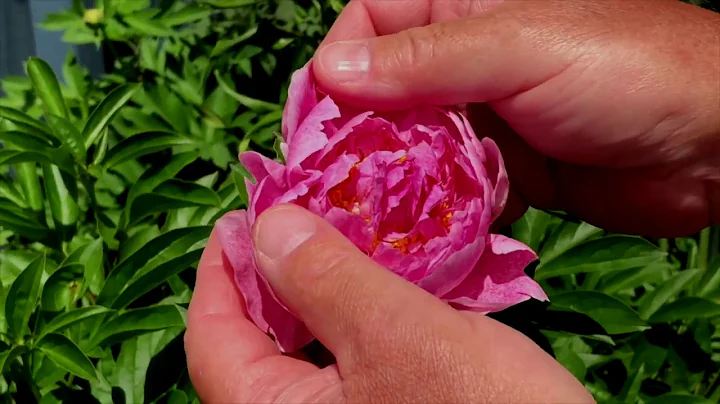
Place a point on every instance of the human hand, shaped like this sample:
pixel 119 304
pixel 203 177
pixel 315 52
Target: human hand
pixel 393 342
pixel 605 109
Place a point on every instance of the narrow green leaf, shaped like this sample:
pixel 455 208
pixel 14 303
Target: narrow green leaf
pixel 142 144
pixel 23 296
pixel 566 236
pixel 224 44
pixel 72 317
pixel 612 253
pixel 21 222
pixel 61 192
pixel 30 183
pixel 189 13
pixel 125 270
pixel 11 193
pixel 69 135
pixel 7 357
pixel 105 111
pixel 27 124
pixel 67 355
pixel 251 103
pixel 61 289
pixel 147 26
pixel 156 277
pixel 663 293
pixel 531 229
pixel 687 308
pixel 711 279
pixel 140 321
pixel 239 175
pixel 8 157
pixel 674 398
pixel 229 3
pixel 158 174
pixel 172 194
pixel 47 87
pixel 92 258
pixel 613 315
pixel 24 141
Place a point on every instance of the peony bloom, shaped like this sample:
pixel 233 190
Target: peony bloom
pixel 414 190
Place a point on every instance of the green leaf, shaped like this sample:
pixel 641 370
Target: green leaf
pixel 532 228
pixel 229 3
pixel 47 87
pixel 224 44
pixel 239 174
pixel 105 111
pixel 250 103
pixel 668 290
pixel 24 141
pixel 61 289
pixel 177 397
pixel 142 144
pixel 172 194
pixel 156 277
pixel 69 135
pixel 23 296
pixel 686 308
pixel 185 15
pixel 614 253
pixel 612 314
pixel 125 270
pixel 566 236
pixel 24 224
pixel 7 357
pixel 61 192
pixel 672 398
pixel 711 279
pixel 29 180
pixel 61 21
pixel 147 26
pixel 140 321
pixel 632 278
pixel 11 193
pixel 94 270
pixel 67 319
pixel 67 355
pixel 27 124
pixel 49 156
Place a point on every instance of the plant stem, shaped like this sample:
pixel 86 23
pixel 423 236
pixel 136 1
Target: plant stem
pixel 703 249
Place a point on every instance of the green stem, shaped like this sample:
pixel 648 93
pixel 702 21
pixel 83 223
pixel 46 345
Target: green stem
pixel 704 249
pixel 27 369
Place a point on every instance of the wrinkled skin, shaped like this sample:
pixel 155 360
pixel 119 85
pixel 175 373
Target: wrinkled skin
pixel 607 109
pixel 415 190
pixel 608 164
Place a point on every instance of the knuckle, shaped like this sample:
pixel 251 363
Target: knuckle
pixel 415 48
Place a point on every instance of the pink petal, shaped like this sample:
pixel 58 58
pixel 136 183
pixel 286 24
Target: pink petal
pixel 260 167
pixel 302 98
pixel 498 281
pixel 262 306
pixel 310 136
pixel 497 175
pixel 353 226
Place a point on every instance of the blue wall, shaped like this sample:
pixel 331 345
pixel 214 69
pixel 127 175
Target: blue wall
pixel 20 37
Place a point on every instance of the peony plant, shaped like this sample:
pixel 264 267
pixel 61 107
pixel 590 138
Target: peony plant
pixel 415 190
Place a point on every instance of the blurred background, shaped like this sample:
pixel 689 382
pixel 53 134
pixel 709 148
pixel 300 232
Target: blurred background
pixel 120 123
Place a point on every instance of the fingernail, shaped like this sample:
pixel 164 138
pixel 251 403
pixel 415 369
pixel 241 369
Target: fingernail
pixel 346 61
pixel 278 232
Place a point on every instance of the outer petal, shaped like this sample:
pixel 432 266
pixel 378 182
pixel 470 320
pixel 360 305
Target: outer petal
pixel 260 167
pixel 310 136
pixel 498 281
pixel 263 308
pixel 302 98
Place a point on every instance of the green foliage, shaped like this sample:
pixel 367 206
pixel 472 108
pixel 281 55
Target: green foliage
pixel 109 187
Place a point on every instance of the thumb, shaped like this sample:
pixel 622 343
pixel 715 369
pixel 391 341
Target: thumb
pixel 484 58
pixel 350 303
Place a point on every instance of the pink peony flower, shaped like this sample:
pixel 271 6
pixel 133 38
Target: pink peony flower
pixel 414 190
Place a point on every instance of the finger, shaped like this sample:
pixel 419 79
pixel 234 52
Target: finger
pixel 221 344
pixel 346 300
pixel 487 55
